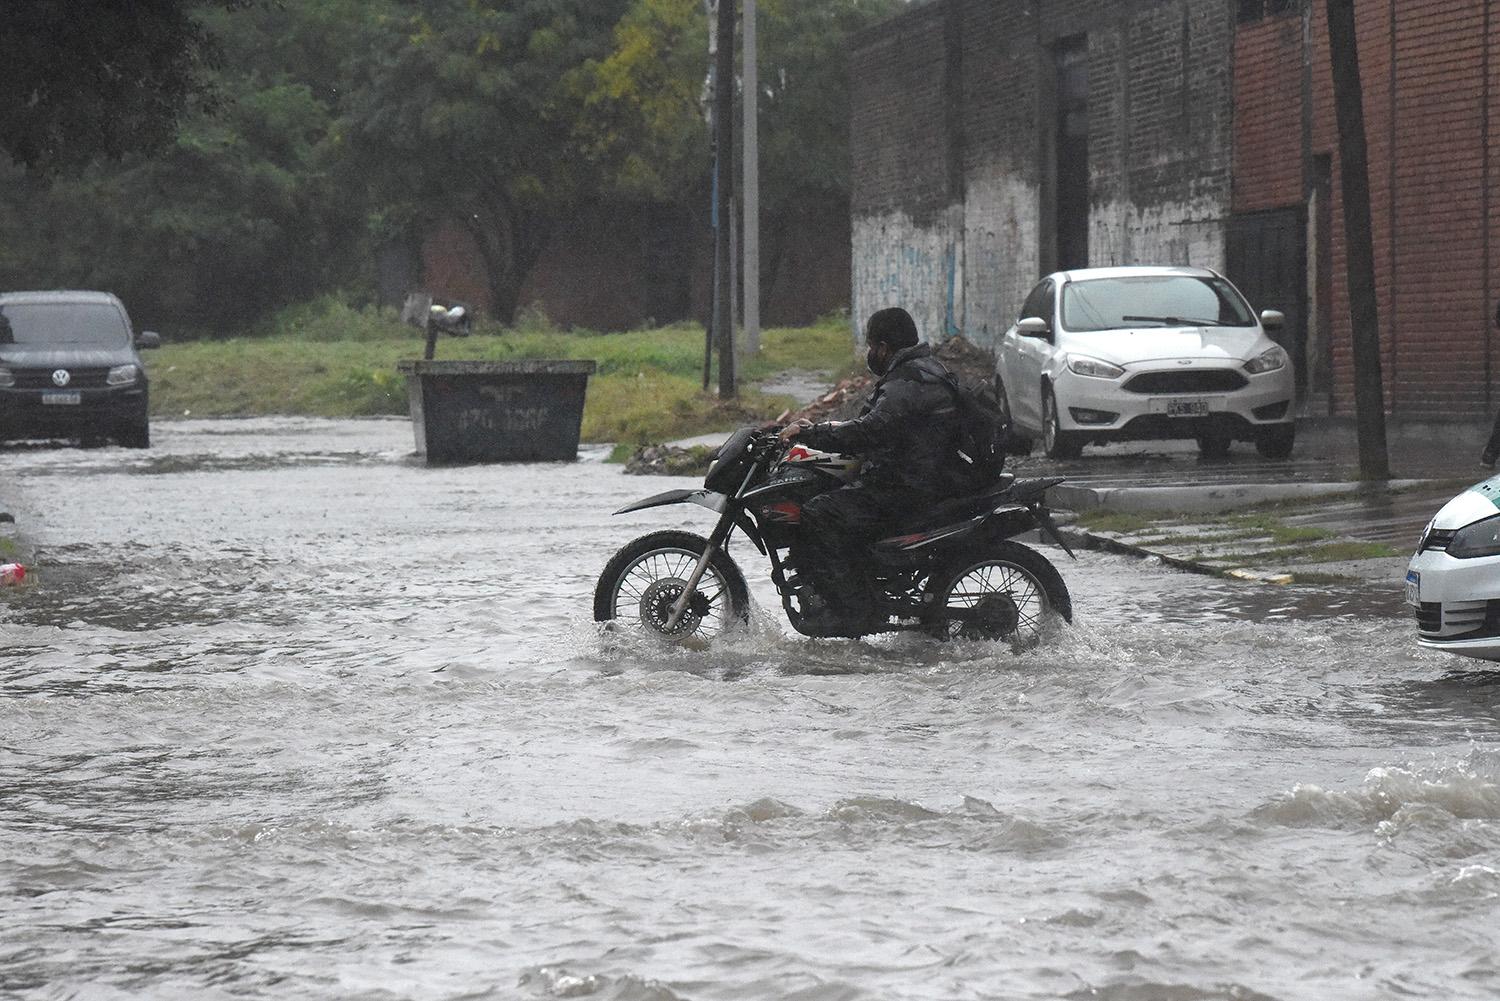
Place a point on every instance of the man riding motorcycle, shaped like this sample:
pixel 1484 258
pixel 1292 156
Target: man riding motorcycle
pixel 907 433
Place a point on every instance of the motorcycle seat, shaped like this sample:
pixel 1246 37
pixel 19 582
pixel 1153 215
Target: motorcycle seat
pixel 967 506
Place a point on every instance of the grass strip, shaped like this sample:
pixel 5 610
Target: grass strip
pixel 327 359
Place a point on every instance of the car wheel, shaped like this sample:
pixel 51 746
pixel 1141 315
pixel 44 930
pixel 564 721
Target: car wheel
pixel 1276 442
pixel 136 434
pixel 1214 445
pixel 1057 443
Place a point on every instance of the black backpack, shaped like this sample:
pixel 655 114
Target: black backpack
pixel 984 434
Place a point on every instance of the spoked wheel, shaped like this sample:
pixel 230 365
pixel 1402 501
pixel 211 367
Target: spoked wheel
pixel 645 579
pixel 1008 593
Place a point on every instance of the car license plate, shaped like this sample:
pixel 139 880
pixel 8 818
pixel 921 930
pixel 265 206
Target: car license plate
pixel 1187 408
pixel 62 399
pixel 1413 587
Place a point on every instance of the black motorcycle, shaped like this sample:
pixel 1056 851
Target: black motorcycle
pixel 953 571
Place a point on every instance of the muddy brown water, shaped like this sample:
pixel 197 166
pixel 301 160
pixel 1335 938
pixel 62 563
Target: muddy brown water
pixel 285 715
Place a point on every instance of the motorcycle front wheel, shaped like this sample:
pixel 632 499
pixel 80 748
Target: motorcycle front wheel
pixel 1008 592
pixel 643 581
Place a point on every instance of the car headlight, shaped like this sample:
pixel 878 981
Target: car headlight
pixel 7 378
pixel 1482 538
pixel 1094 368
pixel 1266 361
pixel 122 375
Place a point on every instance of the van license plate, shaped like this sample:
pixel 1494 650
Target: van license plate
pixel 62 399
pixel 1413 587
pixel 1187 408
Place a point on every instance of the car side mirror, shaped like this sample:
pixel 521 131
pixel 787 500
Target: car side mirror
pixel 148 339
pixel 1272 319
pixel 1033 326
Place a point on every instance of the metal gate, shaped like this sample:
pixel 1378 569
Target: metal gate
pixel 1266 258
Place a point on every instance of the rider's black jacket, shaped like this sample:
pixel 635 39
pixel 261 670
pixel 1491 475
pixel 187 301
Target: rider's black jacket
pixel 907 430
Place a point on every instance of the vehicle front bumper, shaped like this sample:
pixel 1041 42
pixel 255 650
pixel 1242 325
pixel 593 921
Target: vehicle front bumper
pixel 1265 402
pixel 1459 604
pixel 24 415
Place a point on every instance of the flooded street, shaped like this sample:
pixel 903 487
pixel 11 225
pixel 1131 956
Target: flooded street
pixel 286 715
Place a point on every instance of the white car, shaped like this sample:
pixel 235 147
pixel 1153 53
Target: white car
pixel 1111 354
pixel 1453 582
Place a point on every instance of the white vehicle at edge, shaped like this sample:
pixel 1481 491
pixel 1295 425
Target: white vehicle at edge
pixel 1139 353
pixel 1453 582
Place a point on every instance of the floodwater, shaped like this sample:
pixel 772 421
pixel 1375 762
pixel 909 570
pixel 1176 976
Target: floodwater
pixel 285 715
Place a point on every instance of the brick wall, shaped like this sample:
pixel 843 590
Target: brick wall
pixel 1429 112
pixel 952 121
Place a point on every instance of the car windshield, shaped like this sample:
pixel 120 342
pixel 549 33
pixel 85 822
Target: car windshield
pixel 1153 301
pixel 93 323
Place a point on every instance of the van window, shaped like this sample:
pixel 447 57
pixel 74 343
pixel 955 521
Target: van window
pixel 99 324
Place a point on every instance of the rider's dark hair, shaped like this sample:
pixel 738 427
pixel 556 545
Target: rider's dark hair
pixel 893 326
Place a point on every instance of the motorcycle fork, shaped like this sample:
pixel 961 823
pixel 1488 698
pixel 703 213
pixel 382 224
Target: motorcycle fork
pixel 716 540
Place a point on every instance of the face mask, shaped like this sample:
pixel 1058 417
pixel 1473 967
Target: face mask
pixel 875 364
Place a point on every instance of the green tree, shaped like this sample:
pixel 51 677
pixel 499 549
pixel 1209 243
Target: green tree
pixel 643 103
pixel 458 111
pixel 94 79
pixel 239 211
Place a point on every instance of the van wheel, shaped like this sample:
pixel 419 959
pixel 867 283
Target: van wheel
pixel 1276 442
pixel 136 434
pixel 1057 443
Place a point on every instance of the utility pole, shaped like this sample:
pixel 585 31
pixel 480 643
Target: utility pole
pixel 750 179
pixel 723 158
pixel 1354 175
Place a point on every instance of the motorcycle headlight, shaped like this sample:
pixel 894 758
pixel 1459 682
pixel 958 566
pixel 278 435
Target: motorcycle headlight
pixel 122 375
pixel 1094 368
pixel 1479 539
pixel 7 378
pixel 1266 361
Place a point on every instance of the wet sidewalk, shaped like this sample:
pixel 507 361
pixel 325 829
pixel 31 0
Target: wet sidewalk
pixel 1305 519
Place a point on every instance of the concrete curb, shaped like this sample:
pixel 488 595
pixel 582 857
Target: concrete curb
pixel 1088 540
pixel 1202 499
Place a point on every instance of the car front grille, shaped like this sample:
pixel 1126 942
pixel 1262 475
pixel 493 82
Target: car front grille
pixel 1206 380
pixel 78 378
pixel 1459 620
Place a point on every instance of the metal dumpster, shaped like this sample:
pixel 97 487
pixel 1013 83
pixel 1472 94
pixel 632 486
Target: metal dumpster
pixel 496 411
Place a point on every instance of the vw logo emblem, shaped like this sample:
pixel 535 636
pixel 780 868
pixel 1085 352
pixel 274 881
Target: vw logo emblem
pixel 61 377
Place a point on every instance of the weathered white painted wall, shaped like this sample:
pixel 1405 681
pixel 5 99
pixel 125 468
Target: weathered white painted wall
pixel 897 262
pixel 1001 234
pixel 1182 233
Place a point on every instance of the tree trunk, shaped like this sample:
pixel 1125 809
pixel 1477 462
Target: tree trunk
pixel 1364 318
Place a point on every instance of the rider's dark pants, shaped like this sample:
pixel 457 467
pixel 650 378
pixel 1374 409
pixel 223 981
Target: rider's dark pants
pixel 837 529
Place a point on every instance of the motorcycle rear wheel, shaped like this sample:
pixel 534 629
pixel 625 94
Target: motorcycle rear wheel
pixel 1017 590
pixel 645 578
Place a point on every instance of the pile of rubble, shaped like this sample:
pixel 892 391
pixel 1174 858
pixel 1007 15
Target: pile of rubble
pixel 970 362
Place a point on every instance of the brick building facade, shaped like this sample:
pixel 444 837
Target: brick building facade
pixel 1430 102
pixel 995 140
pixel 1208 133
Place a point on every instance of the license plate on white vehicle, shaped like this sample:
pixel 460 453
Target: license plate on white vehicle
pixel 1187 408
pixel 62 399
pixel 1413 587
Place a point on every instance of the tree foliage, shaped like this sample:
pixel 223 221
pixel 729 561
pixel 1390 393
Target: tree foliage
pixel 458 111
pixel 644 103
pixel 213 159
pixel 94 79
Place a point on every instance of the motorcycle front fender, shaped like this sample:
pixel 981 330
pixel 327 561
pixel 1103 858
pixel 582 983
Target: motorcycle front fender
pixel 704 498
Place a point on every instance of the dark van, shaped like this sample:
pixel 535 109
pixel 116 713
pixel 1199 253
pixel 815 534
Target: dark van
pixel 69 368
